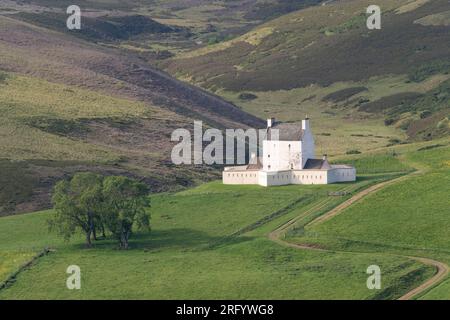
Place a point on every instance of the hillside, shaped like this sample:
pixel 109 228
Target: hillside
pixel 409 217
pixel 213 241
pixel 107 98
pixel 100 69
pixel 208 242
pixel 324 61
pixel 156 29
pixel 73 105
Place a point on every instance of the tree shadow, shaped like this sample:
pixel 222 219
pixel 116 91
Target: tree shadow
pixel 178 238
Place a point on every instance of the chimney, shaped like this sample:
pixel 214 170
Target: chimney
pixel 253 159
pixel 305 124
pixel 324 158
pixel 270 122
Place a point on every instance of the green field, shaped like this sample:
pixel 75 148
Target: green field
pixel 96 101
pixel 207 242
pixel 408 218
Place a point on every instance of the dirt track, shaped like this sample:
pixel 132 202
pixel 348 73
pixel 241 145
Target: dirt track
pixel 442 268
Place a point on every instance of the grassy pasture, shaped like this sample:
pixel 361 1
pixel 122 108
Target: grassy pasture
pixel 377 163
pixel 185 256
pixel 408 218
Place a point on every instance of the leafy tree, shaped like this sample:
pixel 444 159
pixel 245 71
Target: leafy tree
pixel 78 204
pixel 126 201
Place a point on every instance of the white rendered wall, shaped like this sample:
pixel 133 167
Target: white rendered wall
pixel 310 177
pixel 341 175
pixel 308 151
pixel 240 177
pixel 275 178
pixel 279 178
pixel 281 155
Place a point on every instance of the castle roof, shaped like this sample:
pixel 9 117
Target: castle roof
pixel 317 164
pixel 255 166
pixel 287 131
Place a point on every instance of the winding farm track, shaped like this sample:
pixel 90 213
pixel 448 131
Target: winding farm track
pixel 276 235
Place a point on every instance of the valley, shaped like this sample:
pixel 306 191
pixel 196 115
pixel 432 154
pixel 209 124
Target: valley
pixel 106 99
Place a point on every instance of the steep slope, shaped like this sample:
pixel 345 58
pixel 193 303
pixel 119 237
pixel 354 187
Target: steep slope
pixel 68 105
pixel 59 58
pixel 322 45
pixel 327 58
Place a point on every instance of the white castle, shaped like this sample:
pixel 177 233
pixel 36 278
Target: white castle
pixel 288 159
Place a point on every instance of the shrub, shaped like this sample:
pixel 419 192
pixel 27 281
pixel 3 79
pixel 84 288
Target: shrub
pixel 443 124
pixel 3 76
pixel 422 72
pixel 389 121
pixel 247 96
pixel 354 151
pixel 425 114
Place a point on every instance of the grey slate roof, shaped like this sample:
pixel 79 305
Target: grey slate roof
pixel 255 166
pixel 317 164
pixel 341 166
pixel 287 131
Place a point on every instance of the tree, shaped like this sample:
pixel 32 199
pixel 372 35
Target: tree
pixel 125 202
pixel 77 204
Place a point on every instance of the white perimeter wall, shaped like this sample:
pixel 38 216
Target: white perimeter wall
pixel 240 177
pixel 341 175
pixel 279 178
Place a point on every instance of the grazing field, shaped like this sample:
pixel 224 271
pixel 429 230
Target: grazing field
pixel 207 242
pixel 409 217
pixel 385 162
pixel 95 101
